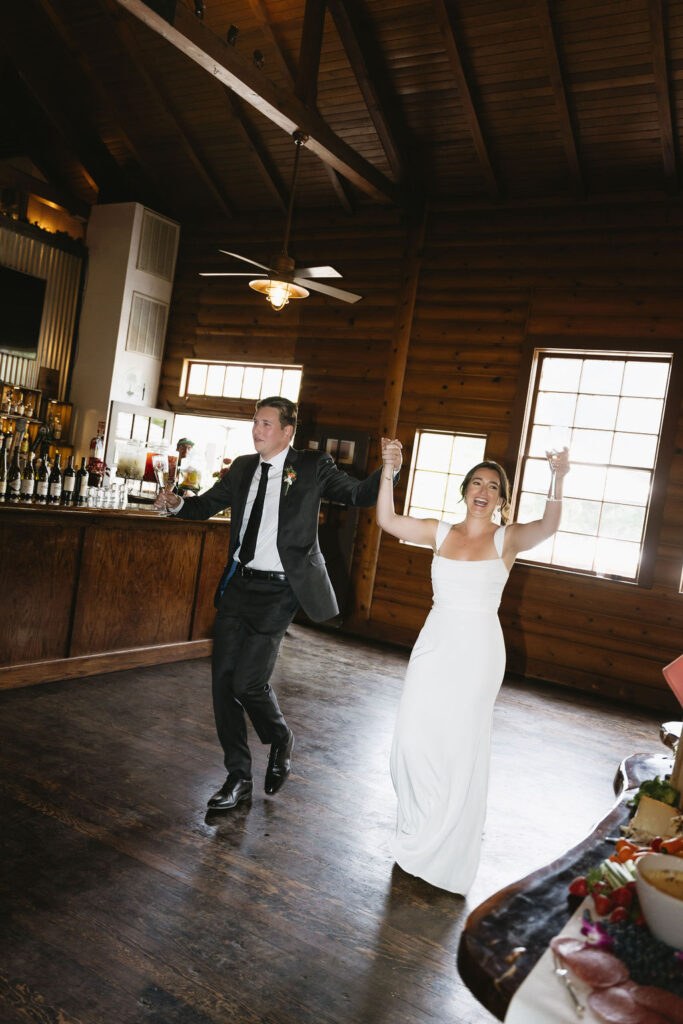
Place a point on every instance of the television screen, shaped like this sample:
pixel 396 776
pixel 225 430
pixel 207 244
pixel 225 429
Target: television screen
pixel 21 312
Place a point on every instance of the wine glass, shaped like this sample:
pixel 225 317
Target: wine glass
pixel 160 465
pixel 558 440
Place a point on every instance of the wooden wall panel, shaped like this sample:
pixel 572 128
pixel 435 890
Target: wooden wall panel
pixel 40 572
pixel 127 597
pixel 490 281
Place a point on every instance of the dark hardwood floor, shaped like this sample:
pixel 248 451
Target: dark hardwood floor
pixel 123 903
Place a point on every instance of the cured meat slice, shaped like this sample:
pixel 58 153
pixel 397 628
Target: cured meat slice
pixel 660 1001
pixel 617 1005
pixel 564 944
pixel 596 967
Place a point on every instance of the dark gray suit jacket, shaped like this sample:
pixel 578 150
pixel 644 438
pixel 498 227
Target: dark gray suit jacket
pixel 297 537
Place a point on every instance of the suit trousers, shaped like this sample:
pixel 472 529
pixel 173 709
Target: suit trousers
pixel 251 620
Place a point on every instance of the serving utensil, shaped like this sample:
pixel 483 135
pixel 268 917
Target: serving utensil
pixel 562 972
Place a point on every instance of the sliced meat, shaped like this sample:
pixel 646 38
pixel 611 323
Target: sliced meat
pixel 596 967
pixel 660 1001
pixel 617 1006
pixel 563 944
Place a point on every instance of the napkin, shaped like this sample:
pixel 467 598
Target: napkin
pixel 542 998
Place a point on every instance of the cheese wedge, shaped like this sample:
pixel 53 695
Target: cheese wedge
pixel 654 818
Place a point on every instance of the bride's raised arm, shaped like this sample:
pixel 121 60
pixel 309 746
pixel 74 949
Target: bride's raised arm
pixel 523 536
pixel 418 531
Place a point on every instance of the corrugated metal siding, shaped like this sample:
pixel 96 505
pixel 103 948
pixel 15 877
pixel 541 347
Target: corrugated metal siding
pixel 62 271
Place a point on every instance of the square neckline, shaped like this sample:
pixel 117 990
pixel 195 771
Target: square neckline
pixel 498 558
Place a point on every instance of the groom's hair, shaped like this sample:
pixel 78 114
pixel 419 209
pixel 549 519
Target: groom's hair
pixel 287 410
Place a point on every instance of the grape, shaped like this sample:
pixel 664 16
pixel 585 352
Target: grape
pixel 649 961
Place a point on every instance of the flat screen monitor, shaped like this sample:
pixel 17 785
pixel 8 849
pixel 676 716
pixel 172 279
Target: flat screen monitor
pixel 21 312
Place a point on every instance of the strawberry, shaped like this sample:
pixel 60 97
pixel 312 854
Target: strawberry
pixel 622 897
pixel 603 904
pixel 579 887
pixel 618 914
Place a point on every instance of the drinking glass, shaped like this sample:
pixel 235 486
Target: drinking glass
pixel 558 440
pixel 162 473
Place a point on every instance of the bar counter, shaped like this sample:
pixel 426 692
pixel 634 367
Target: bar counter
pixel 95 590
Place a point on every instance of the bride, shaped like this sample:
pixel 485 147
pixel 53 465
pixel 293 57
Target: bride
pixel 441 745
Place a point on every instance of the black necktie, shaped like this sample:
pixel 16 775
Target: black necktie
pixel 248 546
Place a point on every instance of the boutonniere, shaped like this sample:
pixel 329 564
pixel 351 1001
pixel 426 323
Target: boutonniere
pixel 290 477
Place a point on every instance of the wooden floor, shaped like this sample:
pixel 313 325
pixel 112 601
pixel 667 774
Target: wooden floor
pixel 122 902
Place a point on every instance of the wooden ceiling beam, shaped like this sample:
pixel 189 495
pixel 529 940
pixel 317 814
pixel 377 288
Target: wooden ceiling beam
pixel 258 152
pixel 62 94
pixel 346 21
pixel 306 86
pixel 662 90
pixel 189 35
pixel 445 23
pixel 150 187
pixel 260 12
pixel 560 94
pixel 166 109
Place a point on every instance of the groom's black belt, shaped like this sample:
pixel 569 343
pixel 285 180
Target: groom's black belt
pixel 259 574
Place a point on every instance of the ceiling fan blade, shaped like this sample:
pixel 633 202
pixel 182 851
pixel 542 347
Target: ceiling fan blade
pixel 317 272
pixel 335 293
pixel 223 273
pixel 245 259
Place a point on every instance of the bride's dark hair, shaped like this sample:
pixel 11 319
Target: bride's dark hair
pixel 504 485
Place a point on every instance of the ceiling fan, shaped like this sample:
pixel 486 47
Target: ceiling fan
pixel 285 280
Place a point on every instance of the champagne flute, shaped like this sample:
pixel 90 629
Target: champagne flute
pixel 558 440
pixel 161 473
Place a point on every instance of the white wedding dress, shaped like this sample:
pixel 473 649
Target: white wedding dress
pixel 441 746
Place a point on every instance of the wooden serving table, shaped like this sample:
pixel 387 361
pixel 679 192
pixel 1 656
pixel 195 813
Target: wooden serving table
pixel 507 934
pixel 94 590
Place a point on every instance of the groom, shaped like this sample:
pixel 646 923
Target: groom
pixel 274 566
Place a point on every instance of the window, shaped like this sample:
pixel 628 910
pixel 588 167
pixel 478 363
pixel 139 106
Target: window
pixel 608 408
pixel 239 380
pixel 440 461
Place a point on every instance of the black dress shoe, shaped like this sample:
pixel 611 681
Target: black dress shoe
pixel 232 792
pixel 279 764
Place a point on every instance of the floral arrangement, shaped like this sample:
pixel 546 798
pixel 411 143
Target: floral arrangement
pixel 289 477
pixel 220 473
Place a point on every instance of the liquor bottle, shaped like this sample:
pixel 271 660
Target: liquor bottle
pixel 3 471
pixel 14 476
pixel 42 474
pixel 24 446
pixel 27 481
pixel 81 487
pixel 55 482
pixel 68 482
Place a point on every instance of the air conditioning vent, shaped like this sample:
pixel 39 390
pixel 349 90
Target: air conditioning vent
pixel 158 246
pixel 147 326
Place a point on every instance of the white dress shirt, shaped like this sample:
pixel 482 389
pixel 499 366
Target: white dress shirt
pixel 266 556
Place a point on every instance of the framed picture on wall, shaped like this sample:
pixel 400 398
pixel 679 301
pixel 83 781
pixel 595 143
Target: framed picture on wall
pixel 349 451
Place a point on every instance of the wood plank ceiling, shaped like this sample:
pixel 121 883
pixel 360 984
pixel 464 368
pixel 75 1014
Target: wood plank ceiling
pixel 450 100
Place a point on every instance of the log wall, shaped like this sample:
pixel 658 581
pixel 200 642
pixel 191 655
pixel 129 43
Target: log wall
pixel 490 281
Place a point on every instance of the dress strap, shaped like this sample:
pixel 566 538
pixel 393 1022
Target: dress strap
pixel 498 539
pixel 441 530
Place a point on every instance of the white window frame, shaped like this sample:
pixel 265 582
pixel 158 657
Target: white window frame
pixel 520 442
pixel 414 467
pixel 190 395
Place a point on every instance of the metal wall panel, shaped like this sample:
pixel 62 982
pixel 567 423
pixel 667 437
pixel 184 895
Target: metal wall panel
pixel 62 271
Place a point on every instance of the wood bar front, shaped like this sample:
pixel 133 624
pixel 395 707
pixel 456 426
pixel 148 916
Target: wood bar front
pixel 91 591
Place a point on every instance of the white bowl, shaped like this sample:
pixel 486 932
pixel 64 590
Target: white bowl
pixel 662 912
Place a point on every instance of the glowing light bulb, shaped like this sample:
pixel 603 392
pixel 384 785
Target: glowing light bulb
pixel 278 294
